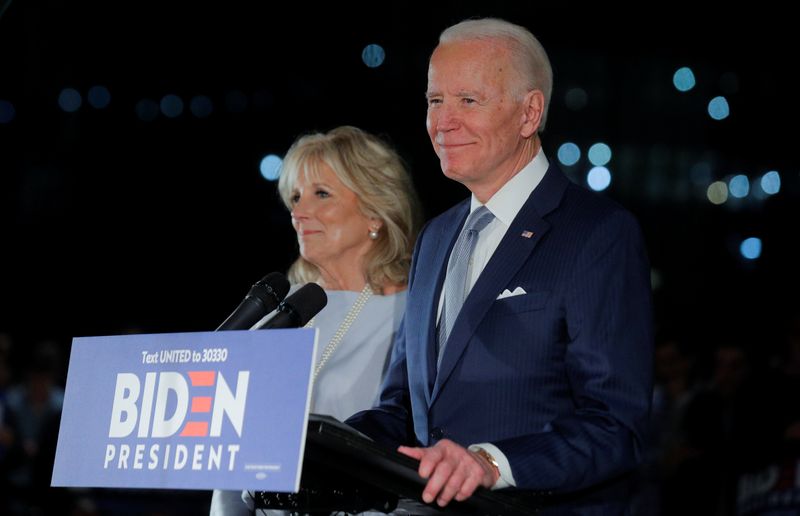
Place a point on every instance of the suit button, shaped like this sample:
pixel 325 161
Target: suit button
pixel 436 433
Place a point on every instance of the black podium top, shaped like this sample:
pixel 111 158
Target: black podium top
pixel 344 470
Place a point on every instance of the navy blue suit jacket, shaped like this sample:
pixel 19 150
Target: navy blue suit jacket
pixel 560 378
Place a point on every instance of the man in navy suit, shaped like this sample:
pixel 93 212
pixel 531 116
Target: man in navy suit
pixel 544 381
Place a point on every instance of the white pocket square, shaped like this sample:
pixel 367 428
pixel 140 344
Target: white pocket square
pixel 507 293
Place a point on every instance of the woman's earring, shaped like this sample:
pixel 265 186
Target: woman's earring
pixel 373 234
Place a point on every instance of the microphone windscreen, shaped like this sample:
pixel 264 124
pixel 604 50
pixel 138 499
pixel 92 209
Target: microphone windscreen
pixel 307 302
pixel 264 296
pixel 271 289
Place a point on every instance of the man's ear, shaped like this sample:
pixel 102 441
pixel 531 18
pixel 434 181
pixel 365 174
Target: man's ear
pixel 532 111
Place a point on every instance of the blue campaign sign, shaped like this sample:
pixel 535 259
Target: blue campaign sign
pixel 206 410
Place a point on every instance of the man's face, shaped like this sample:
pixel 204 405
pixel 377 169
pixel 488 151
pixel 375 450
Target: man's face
pixel 474 120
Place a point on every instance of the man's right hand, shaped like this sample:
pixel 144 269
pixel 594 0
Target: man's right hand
pixel 452 471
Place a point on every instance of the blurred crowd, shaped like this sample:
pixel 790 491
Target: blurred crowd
pixel 32 381
pixel 725 434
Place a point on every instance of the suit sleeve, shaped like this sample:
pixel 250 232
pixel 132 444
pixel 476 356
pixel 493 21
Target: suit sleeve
pixel 390 421
pixel 609 359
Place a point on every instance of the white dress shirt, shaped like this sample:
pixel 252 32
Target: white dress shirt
pixel 505 204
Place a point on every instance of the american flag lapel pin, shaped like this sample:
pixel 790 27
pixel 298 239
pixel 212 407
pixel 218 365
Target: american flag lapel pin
pixel 527 234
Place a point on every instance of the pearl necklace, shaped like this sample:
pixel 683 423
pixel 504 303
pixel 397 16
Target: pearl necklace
pixel 362 299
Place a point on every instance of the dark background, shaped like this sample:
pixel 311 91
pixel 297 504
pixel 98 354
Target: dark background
pixel 109 223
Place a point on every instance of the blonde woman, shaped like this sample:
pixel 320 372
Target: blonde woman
pixel 356 216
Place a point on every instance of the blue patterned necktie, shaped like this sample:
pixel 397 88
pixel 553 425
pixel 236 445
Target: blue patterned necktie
pixel 455 283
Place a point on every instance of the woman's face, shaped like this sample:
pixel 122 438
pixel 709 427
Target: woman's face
pixel 331 230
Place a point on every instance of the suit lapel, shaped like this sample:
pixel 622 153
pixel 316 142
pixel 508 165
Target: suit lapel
pixel 430 277
pixel 520 240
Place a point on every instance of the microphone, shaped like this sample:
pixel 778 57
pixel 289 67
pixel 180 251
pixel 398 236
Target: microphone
pixel 264 296
pixel 296 310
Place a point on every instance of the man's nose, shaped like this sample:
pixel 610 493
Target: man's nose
pixel 445 119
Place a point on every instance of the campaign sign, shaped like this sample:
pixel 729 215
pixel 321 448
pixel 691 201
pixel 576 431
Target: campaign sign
pixel 206 410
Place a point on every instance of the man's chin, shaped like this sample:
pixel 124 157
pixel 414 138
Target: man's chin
pixel 453 173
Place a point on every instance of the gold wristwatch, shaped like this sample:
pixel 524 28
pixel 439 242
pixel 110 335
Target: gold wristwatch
pixel 491 460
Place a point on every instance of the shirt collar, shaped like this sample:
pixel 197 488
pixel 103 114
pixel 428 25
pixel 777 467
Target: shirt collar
pixel 506 202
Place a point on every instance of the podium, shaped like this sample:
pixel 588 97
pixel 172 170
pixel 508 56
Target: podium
pixel 344 470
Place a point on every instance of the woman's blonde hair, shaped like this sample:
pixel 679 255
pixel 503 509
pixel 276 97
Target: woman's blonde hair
pixel 371 169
